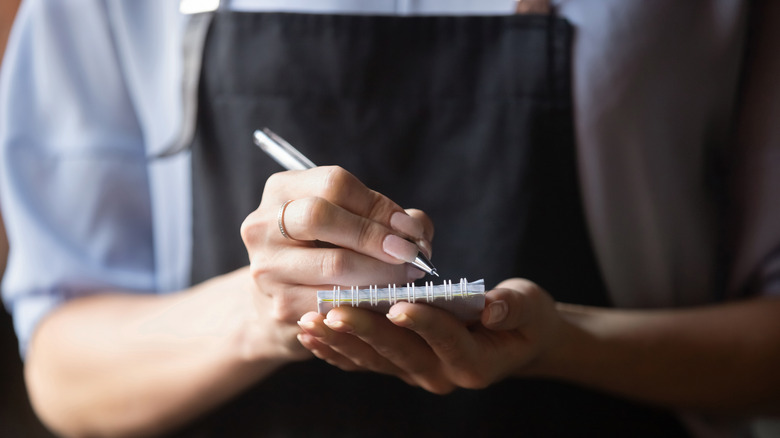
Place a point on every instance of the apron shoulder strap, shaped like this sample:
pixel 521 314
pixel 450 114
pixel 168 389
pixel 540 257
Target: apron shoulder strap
pixel 201 13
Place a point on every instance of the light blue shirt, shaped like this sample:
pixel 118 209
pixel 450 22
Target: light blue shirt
pixel 89 90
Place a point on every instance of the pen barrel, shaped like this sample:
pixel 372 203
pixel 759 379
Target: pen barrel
pixel 282 152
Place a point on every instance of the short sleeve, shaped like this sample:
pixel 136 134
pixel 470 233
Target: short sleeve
pixel 74 176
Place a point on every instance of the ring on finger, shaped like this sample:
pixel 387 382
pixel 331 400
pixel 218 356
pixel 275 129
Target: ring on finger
pixel 280 219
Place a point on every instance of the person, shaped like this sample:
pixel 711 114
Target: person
pixel 609 154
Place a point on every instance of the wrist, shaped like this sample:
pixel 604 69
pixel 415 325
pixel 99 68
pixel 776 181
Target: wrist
pixel 239 320
pixel 570 340
pixel 261 339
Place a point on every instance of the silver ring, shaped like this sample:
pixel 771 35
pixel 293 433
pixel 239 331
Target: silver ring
pixel 280 219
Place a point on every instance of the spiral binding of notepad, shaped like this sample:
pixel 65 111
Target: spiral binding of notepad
pixel 464 300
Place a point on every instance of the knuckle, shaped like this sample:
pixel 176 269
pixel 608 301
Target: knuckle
pixel 380 206
pixel 447 345
pixel 335 180
pixel 275 181
pixel 247 232
pixel 334 265
pixel 262 269
pixel 315 211
pixel 259 269
pixel 250 229
pixel 527 287
pixel 394 355
pixel 283 309
pixel 365 234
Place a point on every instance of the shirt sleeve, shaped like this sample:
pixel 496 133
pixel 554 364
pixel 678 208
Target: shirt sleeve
pixel 756 158
pixel 73 174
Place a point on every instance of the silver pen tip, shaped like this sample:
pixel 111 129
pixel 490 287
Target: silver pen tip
pixel 433 271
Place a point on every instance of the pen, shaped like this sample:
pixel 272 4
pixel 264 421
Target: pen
pixel 291 159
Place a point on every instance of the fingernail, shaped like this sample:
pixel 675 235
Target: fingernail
pixel 425 247
pixel 401 319
pixel 339 326
pixel 406 224
pixel 414 273
pixel 304 338
pixel 497 311
pixel 312 329
pixel 400 248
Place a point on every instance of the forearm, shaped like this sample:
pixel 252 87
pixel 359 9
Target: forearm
pixel 120 364
pixel 720 359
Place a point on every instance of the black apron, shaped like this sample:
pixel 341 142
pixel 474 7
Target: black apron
pixel 466 118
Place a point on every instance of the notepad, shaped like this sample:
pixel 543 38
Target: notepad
pixel 463 299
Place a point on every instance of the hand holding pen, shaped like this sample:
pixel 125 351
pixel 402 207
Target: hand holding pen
pixel 368 236
pixel 292 159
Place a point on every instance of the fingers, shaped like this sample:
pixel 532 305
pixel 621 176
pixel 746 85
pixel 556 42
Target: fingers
pixel 470 357
pixel 346 234
pixel 337 186
pixel 329 204
pixel 401 347
pixel 341 349
pixel 449 339
pixel 311 331
pixel 329 266
pixel 507 307
pixel 427 230
pixel 341 188
pixel 430 348
pixel 315 218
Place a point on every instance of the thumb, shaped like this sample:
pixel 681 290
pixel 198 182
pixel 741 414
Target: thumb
pixel 507 306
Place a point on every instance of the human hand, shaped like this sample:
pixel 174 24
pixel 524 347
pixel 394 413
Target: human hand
pixel 340 233
pixel 425 346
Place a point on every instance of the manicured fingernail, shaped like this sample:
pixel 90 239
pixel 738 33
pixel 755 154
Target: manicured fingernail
pixel 406 224
pixel 312 329
pixel 425 247
pixel 401 319
pixel 414 273
pixel 339 326
pixel 497 311
pixel 400 248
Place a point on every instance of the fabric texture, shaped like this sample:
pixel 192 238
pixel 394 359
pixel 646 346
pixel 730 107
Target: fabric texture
pixel 468 117
pixel 656 87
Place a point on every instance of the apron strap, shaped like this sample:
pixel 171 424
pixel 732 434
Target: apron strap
pixel 201 13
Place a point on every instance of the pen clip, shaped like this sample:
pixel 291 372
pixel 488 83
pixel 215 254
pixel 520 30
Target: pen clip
pixel 281 151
